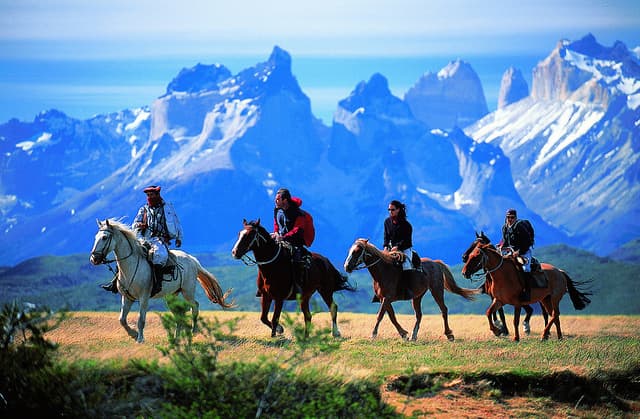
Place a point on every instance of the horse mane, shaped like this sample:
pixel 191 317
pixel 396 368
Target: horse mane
pixel 386 256
pixel 128 234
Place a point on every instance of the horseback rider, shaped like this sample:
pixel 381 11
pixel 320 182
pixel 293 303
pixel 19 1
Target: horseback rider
pixel 398 234
pixel 156 223
pixel 288 226
pixel 516 235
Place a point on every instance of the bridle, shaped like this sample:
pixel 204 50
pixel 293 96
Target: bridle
pixel 482 263
pixel 361 258
pixel 109 233
pixel 258 240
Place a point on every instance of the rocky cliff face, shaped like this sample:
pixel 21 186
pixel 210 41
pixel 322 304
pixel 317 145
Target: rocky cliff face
pixel 513 88
pixel 453 97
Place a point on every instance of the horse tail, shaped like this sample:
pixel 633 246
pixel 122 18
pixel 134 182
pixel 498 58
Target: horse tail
pixel 341 280
pixel 451 285
pixel 212 288
pixel 579 298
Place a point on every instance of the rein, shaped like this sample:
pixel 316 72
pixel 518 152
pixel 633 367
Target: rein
pixel 249 261
pixel 483 264
pixel 361 261
pixel 118 260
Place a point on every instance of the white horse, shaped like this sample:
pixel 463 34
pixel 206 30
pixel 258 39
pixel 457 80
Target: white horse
pixel 135 275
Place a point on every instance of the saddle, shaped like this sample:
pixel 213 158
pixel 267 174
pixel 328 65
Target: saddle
pixel 398 257
pixel 539 279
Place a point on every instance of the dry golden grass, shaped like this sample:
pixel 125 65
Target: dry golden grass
pixel 591 343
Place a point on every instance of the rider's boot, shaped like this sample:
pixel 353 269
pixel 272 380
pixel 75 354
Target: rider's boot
pixel 157 279
pixel 300 272
pixel 526 293
pixel 111 286
pixel 406 283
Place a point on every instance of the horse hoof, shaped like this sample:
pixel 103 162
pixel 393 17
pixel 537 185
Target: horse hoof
pixel 280 329
pixel 450 338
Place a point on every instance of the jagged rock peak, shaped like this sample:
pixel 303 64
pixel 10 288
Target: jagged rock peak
pixel 586 71
pixel 376 86
pixel 452 97
pixel 280 58
pixel 457 68
pixel 199 78
pixel 513 87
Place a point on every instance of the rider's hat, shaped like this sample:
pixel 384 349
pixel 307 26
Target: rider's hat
pixel 152 188
pixel 512 211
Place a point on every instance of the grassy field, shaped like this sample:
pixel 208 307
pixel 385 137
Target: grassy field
pixel 594 346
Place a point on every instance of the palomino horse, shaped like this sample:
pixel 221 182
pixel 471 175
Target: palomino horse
pixel 504 284
pixel 275 277
pixel 386 275
pixel 135 274
pixel 502 323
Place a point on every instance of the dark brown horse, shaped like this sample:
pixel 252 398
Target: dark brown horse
pixel 388 286
pixel 504 283
pixel 275 277
pixel 501 324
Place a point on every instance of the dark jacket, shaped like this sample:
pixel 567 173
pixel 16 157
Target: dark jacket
pixel 292 229
pixel 398 234
pixel 516 236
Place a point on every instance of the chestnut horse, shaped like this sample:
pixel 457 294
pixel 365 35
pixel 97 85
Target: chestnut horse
pixel 502 323
pixel 386 274
pixel 504 284
pixel 275 277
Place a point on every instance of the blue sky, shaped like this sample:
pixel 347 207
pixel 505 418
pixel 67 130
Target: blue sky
pixel 36 36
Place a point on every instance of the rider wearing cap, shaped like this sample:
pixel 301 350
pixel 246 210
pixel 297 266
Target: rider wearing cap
pixel 516 236
pixel 156 223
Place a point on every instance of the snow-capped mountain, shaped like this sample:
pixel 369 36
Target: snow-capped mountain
pixel 573 144
pixel 221 144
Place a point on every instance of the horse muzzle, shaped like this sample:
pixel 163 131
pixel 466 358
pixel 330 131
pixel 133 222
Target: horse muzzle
pixel 96 258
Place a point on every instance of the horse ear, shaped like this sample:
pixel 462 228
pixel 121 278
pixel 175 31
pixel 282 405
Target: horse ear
pixel 107 222
pixel 244 221
pixel 98 222
pixel 477 235
pixel 258 222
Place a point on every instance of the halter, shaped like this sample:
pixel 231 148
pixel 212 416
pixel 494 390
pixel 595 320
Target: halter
pixel 361 261
pixel 248 260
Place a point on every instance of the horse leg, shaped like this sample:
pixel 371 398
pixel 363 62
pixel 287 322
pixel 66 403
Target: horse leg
pixel 547 304
pixel 125 307
pixel 142 317
pixel 504 330
pixel 265 303
pixel 417 307
pixel 381 311
pixel 495 305
pixel 275 319
pixel 304 307
pixel 195 312
pixel 392 316
pixel 439 299
pixel 516 324
pixel 525 324
pixel 333 309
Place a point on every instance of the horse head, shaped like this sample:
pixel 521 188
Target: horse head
pixel 250 237
pixel 476 259
pixel 103 243
pixel 356 254
pixel 480 238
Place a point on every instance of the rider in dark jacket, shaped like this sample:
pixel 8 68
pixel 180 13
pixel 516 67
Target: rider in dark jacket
pixel 288 226
pixel 517 236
